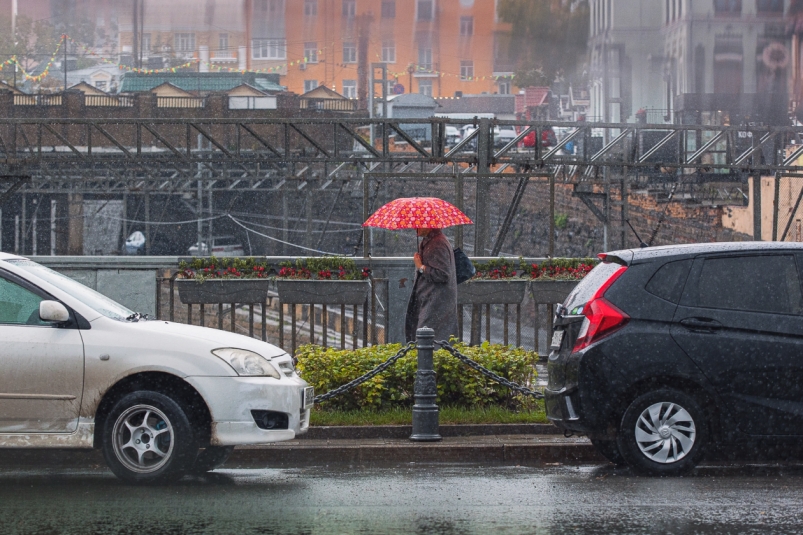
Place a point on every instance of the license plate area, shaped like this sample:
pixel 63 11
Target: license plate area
pixel 307 398
pixel 557 340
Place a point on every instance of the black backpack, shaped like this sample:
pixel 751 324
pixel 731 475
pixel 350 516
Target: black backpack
pixel 464 266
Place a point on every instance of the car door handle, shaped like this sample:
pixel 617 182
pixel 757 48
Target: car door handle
pixel 701 324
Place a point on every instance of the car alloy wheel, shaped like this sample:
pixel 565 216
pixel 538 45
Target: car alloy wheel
pixel 143 439
pixel 148 438
pixel 665 432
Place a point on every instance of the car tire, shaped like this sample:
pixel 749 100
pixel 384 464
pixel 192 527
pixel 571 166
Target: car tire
pixel 610 450
pixel 663 433
pixel 210 458
pixel 148 438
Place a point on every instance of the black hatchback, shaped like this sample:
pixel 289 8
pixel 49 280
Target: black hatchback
pixel 660 352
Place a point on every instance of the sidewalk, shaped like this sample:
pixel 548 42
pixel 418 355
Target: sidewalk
pixel 500 448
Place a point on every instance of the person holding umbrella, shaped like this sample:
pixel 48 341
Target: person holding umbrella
pixel 433 302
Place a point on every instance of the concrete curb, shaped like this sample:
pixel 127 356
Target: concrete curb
pixel 404 431
pixel 512 452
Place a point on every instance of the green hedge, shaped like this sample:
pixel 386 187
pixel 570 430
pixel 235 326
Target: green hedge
pixel 326 369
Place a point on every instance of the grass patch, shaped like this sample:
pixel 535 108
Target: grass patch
pixel 448 415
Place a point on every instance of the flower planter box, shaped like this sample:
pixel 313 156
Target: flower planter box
pixel 550 292
pixel 491 292
pixel 323 292
pixel 215 291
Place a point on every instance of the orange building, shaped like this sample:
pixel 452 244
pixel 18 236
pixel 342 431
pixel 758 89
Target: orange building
pixel 439 47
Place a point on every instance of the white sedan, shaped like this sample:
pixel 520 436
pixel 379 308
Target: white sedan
pixel 161 399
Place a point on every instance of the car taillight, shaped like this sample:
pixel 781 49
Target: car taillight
pixel 601 316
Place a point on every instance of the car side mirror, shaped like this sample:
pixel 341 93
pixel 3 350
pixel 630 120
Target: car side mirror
pixel 53 311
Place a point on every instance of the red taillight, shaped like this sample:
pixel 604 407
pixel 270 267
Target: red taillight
pixel 601 316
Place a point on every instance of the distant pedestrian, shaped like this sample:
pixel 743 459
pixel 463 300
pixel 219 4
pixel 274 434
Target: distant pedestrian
pixel 433 303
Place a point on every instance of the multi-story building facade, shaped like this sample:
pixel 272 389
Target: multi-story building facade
pixel 434 47
pixel 709 61
pixel 626 59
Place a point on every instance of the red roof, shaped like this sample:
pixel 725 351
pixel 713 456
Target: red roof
pixel 532 98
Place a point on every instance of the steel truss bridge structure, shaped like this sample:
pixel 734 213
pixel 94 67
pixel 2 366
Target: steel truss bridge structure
pixel 154 156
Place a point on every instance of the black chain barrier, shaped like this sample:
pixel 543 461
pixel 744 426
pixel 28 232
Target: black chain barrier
pixel 361 379
pixel 488 373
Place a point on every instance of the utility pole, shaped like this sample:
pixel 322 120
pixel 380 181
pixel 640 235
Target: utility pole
pixel 363 34
pixel 52 227
pixel 135 43
pixel 64 44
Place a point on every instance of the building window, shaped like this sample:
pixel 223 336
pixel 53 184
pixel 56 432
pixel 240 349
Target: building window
pixel 466 69
pixel 425 9
pixel 310 8
pixel 309 85
pixel 349 9
pixel 349 52
pixel 268 49
pixel 101 84
pixel 728 66
pixel 728 7
pixel 388 9
pixel 466 26
pixel 223 42
pixel 350 88
pixel 185 42
pixel 311 52
pixel 146 43
pixel 770 7
pixel 425 86
pixel 503 87
pixel 425 59
pixel 388 52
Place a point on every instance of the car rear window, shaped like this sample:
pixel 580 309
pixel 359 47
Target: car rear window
pixel 667 283
pixel 587 287
pixel 751 283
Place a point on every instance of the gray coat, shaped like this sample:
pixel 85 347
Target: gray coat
pixel 433 303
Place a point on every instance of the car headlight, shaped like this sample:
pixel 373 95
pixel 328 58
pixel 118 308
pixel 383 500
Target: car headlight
pixel 247 362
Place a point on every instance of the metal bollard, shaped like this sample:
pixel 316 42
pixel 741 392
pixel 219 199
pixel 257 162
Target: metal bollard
pixel 425 411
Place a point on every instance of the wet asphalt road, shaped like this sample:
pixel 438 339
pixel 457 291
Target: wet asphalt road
pixel 425 499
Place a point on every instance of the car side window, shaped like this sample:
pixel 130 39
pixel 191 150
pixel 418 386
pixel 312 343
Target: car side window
pixel 667 283
pixel 751 283
pixel 18 306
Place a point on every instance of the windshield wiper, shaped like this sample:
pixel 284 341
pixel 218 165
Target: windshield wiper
pixel 136 316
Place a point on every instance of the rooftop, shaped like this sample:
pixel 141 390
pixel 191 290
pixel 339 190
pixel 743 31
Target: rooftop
pixel 200 82
pixel 496 104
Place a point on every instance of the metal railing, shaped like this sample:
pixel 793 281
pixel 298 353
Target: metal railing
pixel 287 325
pixel 525 323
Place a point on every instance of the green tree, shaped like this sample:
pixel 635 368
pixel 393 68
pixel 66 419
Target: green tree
pixel 549 39
pixel 32 44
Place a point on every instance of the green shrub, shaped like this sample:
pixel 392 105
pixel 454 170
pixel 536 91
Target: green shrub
pixel 327 369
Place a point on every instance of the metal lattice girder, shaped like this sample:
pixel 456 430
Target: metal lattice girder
pixel 108 154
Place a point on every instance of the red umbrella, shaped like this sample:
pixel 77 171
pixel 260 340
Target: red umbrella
pixel 417 212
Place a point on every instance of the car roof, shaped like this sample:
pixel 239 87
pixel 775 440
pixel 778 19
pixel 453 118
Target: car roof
pixel 693 249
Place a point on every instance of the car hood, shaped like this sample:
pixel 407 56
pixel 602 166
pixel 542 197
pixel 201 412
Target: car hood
pixel 197 337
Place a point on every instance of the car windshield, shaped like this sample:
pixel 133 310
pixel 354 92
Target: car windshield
pixel 89 297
